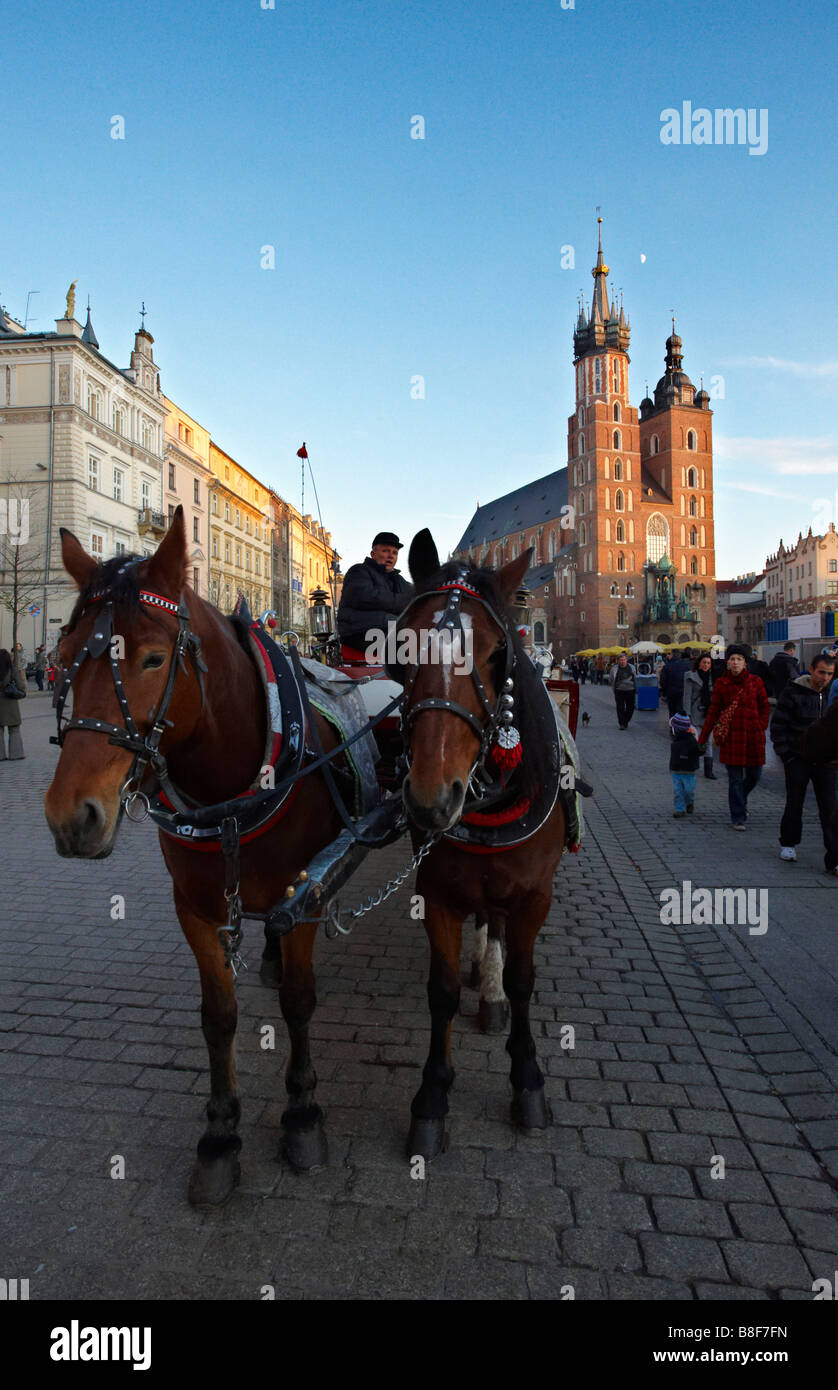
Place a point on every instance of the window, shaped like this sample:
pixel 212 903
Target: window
pixel 93 473
pixel 832 586
pixel 693 535
pixel 620 533
pixel 196 491
pixel 693 507
pixel 195 579
pixel 657 538
pixel 629 590
pixel 621 617
pixel 618 469
pixel 583 533
pixel 94 402
pixel 258 563
pixel 215 547
pixel 226 552
pixel 615 376
pixel 214 504
pixel 692 477
pixel 655 444
pixel 97 545
pixel 117 485
pixel 248 560
pixel 581 415
pixel 692 441
pixel 238 556
pixel 171 513
pixel 621 561
pixel 694 565
pixel 614 591
pixel 581 443
pixel 616 408
pixel 172 477
pixel 227 595
pixel 538 632
pixel 145 494
pixel 238 517
pixel 195 528
pixel 833 566
pixel 226 511
pixel 146 435
pixel 598 375
pixel 618 500
pixel 119 419
pixel 258 532
pixel 618 439
pixel 120 548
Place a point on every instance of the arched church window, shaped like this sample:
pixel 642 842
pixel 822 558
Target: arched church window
pixel 693 507
pixel 618 439
pixel 693 535
pixel 621 562
pixel 618 500
pixel 598 375
pixel 583 533
pixel 657 538
pixel 618 469
pixel 621 531
pixel 692 477
pixel 581 415
pixel 621 616
pixel 692 440
pixel 629 590
pixel 616 410
pixel 655 444
pixel 694 565
pixel 581 443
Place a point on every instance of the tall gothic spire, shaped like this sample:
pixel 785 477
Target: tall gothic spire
pixel 607 325
pixel 600 312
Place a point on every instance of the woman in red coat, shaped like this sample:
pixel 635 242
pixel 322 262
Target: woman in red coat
pixel 738 718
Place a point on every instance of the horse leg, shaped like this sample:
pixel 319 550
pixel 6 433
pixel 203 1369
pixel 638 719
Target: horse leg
pixel 493 1013
pixel 304 1138
pixel 478 948
pixel 216 1170
pixel 529 1104
pixel 430 1104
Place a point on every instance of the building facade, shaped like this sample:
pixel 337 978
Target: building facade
pixel 239 535
pixel 741 609
pixel 802 579
pixel 304 559
pixel 81 442
pixel 628 524
pixel 187 477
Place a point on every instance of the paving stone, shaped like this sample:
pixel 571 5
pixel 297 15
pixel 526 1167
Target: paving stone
pixel 691 1216
pixel 603 1250
pixel 761 1265
pixel 759 1223
pixel 682 1257
pixel 620 1211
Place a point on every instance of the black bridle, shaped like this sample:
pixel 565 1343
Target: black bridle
pixel 146 748
pixel 498 714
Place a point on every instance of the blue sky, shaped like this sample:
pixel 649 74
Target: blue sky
pixel 439 258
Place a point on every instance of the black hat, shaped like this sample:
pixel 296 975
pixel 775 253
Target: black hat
pixel 387 538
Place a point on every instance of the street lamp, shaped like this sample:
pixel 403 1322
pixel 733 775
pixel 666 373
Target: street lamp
pixel 320 616
pixel 520 609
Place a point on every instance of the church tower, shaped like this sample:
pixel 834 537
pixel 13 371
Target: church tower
pixel 604 484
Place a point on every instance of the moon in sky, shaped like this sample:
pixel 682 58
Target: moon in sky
pixel 642 257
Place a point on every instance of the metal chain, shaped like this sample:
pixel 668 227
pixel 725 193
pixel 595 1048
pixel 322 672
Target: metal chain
pixel 333 911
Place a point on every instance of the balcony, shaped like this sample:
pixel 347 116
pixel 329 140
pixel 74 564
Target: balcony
pixel 151 523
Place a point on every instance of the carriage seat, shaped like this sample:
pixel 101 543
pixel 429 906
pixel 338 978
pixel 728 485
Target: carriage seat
pixel 373 686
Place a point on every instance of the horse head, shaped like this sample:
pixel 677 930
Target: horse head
pixel 454 689
pixel 117 652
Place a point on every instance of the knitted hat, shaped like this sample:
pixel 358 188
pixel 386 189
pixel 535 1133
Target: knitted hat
pixel 679 724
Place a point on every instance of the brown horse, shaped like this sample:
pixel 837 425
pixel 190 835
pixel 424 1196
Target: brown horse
pixel 451 721
pixel 214 743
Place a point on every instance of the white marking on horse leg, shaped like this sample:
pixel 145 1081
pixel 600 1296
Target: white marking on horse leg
pixel 491 978
pixel 478 949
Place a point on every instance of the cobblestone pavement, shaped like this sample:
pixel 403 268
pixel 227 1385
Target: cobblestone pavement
pixel 690 1042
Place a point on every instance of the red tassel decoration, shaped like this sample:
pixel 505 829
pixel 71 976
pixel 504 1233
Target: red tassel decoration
pixel 506 750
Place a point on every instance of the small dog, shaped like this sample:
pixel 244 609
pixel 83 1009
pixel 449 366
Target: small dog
pixel 586 719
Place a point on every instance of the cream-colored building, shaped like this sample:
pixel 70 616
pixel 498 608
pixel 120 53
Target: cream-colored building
pixel 304 559
pixel 81 440
pixel 239 535
pixel 188 479
pixel 803 578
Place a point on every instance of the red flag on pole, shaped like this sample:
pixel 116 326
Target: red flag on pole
pixel 302 453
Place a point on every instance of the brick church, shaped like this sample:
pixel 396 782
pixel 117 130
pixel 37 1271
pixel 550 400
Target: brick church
pixel 623 535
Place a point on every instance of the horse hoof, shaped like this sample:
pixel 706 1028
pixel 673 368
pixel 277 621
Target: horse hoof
pixel 212 1184
pixel 307 1150
pixel 427 1138
pixel 492 1015
pixel 530 1110
pixel 474 977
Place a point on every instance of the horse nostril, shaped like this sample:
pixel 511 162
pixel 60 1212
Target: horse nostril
pixel 457 790
pixel 91 817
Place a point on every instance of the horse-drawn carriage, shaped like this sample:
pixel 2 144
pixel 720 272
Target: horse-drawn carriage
pixel 484 780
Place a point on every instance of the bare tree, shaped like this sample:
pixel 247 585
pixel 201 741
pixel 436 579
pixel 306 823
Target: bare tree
pixel 22 554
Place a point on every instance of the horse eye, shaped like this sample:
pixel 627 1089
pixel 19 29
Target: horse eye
pixel 153 662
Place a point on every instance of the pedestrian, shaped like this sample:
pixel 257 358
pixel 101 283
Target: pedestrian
pixel 672 682
pixel 40 666
pixel 600 669
pixel 738 718
pixel 803 701
pixel 683 764
pixel 12 691
pixel 784 667
pixel 624 683
pixel 698 689
pixel 583 669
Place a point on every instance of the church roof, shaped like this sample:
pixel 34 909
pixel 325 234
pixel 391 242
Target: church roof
pixel 534 504
pixel 650 484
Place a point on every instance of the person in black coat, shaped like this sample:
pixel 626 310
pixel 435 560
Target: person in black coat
pixel 374 593
pixel 804 701
pixel 784 667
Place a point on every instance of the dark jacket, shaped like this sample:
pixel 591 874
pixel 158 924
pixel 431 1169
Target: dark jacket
pixel 783 668
pixel 684 753
pixel 797 708
pixel 672 676
pixel 762 671
pixel 372 597
pixel 623 678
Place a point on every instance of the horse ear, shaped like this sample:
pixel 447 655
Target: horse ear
pixel 509 578
pixel 80 566
pixel 167 566
pixel 423 557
